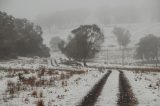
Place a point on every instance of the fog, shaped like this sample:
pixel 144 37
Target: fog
pixel 58 12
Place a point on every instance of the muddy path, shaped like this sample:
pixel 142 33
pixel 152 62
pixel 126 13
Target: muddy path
pixel 126 95
pixel 91 98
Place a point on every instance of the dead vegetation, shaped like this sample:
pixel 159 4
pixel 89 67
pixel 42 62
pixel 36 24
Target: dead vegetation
pixel 40 103
pixel 29 81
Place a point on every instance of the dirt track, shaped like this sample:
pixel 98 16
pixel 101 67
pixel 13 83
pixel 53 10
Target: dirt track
pixel 126 95
pixel 91 98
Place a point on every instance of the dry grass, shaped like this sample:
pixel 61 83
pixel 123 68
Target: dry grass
pixel 41 94
pixel 40 103
pixel 41 72
pixel 30 81
pixel 34 94
pixel 11 87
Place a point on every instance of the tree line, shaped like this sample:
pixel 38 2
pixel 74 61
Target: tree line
pixel 20 37
pixel 85 41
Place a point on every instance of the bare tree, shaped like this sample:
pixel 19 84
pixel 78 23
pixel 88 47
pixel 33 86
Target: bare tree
pixel 123 39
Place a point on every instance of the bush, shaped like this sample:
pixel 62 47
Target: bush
pixel 20 37
pixel 34 94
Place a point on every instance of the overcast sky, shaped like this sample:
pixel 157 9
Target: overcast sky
pixel 38 9
pixel 32 8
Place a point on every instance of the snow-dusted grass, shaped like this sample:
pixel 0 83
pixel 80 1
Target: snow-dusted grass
pixel 145 87
pixel 51 86
pixel 64 85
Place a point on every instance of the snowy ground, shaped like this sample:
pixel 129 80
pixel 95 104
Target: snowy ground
pixel 67 85
pixel 62 92
pixel 145 86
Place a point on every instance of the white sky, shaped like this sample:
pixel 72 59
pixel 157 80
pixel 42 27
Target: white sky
pixel 32 8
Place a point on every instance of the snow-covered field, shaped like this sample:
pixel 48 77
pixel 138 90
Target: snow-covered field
pixel 53 87
pixel 39 82
pixel 146 87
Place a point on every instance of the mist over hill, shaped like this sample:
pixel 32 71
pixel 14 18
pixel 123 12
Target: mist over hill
pixel 122 14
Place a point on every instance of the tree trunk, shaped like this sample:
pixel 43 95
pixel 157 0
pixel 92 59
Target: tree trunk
pixel 122 56
pixel 157 60
pixel 84 62
pixel 52 62
pixel 107 56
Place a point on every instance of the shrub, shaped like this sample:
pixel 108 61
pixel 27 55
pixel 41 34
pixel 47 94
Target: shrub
pixel 34 94
pixel 40 103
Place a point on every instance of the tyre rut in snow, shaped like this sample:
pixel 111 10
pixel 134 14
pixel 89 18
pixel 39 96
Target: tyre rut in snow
pixel 91 98
pixel 126 96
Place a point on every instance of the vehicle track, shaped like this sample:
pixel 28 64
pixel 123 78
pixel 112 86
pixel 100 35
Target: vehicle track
pixel 91 98
pixel 126 95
